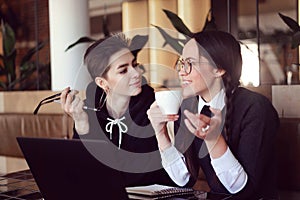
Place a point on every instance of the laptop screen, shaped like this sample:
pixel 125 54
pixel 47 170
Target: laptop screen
pixel 65 169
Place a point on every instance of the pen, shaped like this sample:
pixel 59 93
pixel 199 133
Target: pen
pixel 83 107
pixel 89 108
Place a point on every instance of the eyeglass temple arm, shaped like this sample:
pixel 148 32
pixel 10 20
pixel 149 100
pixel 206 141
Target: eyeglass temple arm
pixel 44 102
pixel 52 96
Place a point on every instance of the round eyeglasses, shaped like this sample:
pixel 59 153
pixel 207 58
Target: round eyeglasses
pixel 182 64
pixel 186 65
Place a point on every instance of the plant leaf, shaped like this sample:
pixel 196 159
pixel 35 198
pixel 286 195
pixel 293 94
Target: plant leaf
pixel 295 40
pixel 79 41
pixel 30 69
pixel 290 22
pixel 178 23
pixel 173 42
pixel 105 26
pixel 3 85
pixel 137 43
pixel 2 70
pixel 9 53
pixel 10 65
pixel 209 24
pixel 8 38
pixel 1 57
pixel 31 52
pixel 27 66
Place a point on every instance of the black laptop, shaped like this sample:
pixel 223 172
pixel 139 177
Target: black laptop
pixel 66 169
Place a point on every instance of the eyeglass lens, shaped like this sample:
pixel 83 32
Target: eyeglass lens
pixel 185 65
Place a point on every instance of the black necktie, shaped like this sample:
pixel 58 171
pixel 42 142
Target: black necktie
pixel 205 111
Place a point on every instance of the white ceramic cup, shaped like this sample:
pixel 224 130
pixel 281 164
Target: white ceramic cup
pixel 169 101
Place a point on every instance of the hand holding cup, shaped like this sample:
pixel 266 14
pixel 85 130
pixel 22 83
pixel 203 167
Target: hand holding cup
pixel 169 100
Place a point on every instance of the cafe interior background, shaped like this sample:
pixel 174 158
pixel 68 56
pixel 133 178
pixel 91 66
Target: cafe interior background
pixel 44 29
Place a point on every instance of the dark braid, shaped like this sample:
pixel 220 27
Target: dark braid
pixel 229 87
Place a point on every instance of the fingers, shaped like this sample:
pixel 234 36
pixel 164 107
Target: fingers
pixel 204 127
pixel 74 104
pixel 215 112
pixel 158 120
pixel 197 124
pixel 197 120
pixel 69 102
pixel 155 114
pixel 71 96
pixel 153 105
pixel 63 96
pixel 196 131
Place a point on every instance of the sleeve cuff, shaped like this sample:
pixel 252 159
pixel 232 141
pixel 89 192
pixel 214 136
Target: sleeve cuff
pixel 225 162
pixel 170 155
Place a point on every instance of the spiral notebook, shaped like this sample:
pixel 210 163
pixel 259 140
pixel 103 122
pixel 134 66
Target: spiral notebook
pixel 157 191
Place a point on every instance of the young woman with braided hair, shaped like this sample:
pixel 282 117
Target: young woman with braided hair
pixel 234 144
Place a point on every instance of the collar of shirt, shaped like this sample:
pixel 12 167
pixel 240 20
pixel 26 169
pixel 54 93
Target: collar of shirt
pixel 218 101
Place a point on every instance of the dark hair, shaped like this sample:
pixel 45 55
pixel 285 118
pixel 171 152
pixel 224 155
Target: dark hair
pixel 98 54
pixel 225 52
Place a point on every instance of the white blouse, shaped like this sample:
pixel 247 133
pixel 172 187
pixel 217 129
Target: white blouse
pixel 228 169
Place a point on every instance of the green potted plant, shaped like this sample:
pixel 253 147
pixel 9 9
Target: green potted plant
pixel 179 25
pixel 10 79
pixel 137 42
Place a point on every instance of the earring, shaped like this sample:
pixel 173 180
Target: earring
pixel 102 95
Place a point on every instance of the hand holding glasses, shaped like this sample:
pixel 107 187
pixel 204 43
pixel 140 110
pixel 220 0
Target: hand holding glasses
pixel 56 98
pixel 49 99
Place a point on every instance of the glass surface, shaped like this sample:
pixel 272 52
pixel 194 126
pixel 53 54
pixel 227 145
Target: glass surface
pixel 275 52
pixel 8 181
pixel 19 185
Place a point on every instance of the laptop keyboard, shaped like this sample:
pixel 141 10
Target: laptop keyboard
pixel 19 186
